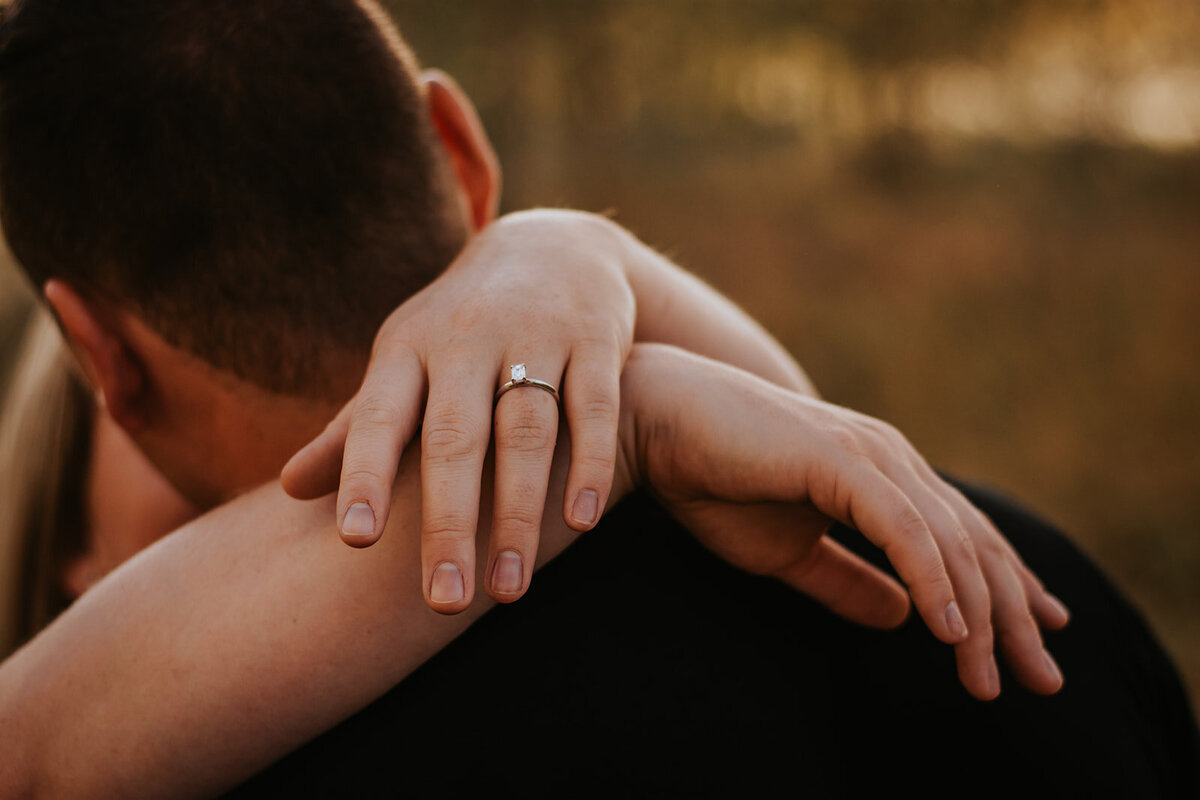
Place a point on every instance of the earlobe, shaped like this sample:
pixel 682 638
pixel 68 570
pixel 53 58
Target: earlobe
pixel 470 151
pixel 111 368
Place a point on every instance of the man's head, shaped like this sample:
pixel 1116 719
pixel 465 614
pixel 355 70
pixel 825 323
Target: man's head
pixel 256 183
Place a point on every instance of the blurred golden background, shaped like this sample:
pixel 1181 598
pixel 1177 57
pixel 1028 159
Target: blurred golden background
pixel 977 220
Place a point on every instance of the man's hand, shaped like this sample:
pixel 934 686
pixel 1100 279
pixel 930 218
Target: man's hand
pixel 544 288
pixel 711 439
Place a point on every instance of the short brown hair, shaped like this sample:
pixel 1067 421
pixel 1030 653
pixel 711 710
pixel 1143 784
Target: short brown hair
pixel 256 180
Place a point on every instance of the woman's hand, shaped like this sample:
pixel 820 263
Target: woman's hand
pixel 544 288
pixel 711 439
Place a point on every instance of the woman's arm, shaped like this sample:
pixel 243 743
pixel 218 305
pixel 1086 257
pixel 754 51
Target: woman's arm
pixel 562 292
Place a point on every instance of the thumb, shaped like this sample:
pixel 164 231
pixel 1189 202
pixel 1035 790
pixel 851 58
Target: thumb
pixel 848 586
pixel 314 471
pixel 787 541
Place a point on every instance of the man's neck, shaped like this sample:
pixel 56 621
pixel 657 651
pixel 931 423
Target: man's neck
pixel 248 435
pixel 214 435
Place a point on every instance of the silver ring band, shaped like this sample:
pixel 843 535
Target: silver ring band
pixel 517 379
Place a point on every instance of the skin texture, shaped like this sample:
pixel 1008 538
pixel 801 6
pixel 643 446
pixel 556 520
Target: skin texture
pixel 129 505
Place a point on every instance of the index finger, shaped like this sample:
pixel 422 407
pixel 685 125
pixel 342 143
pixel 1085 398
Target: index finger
pixel 869 501
pixel 387 410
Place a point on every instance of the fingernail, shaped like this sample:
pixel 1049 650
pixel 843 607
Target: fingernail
pixel 954 621
pixel 1052 666
pixel 359 520
pixel 993 677
pixel 447 584
pixel 507 572
pixel 584 510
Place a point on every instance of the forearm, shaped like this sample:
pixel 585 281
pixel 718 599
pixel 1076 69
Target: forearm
pixel 223 647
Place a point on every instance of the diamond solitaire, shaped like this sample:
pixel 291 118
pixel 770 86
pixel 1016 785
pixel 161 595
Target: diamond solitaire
pixel 517 377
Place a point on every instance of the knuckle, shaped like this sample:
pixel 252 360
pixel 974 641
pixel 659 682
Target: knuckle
pixel 377 410
pixel 600 346
pixel 845 439
pixel 393 341
pixel 368 454
pixel 878 425
pixel 885 431
pixel 595 407
pixel 1019 632
pixel 594 462
pixel 518 519
pixel 933 572
pixel 911 523
pixel 894 435
pixel 450 527
pixel 605 342
pixel 988 548
pixel 960 541
pixel 963 529
pixel 526 429
pixel 359 479
pixel 452 436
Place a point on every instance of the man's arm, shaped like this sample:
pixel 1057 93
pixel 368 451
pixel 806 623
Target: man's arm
pixel 723 448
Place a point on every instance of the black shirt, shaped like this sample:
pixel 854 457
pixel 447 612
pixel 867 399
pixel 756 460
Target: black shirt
pixel 639 664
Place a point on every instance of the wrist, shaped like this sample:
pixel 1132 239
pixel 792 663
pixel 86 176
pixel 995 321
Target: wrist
pixel 646 410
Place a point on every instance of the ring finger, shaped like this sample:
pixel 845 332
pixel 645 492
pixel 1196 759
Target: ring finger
pixel 526 428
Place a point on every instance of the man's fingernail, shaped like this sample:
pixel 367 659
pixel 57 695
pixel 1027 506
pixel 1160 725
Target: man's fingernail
pixel 954 621
pixel 993 676
pixel 584 510
pixel 507 572
pixel 447 585
pixel 1052 666
pixel 359 520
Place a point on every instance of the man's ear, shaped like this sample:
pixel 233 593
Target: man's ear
pixel 466 142
pixel 113 371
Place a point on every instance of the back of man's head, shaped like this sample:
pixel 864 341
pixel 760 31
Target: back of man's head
pixel 257 181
